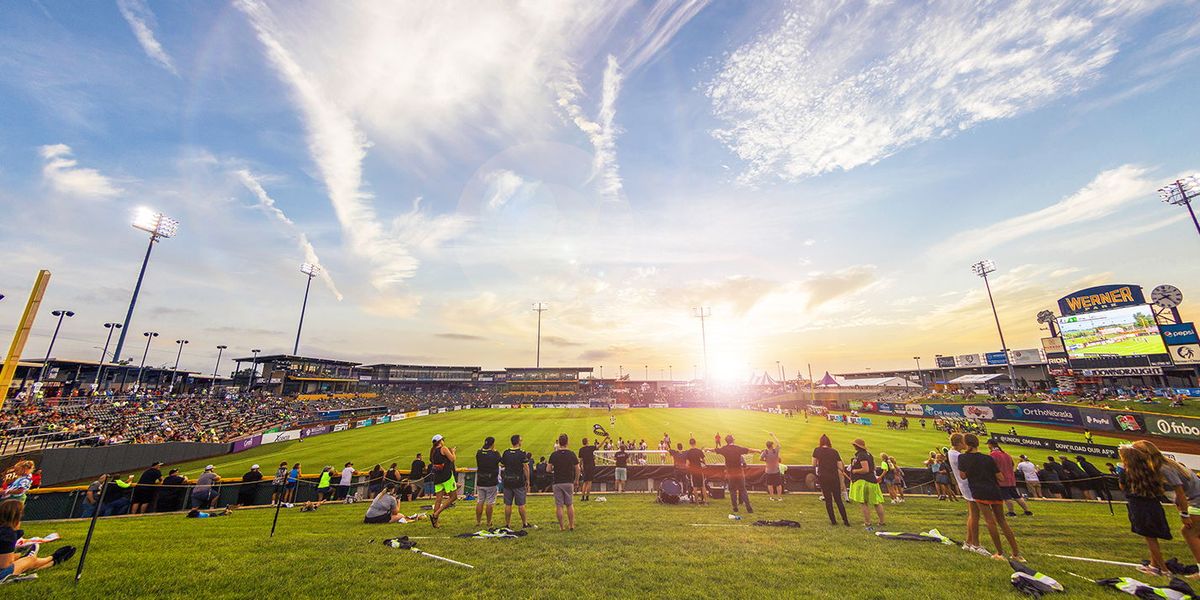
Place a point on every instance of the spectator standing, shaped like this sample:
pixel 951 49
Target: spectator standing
pixel 540 475
pixel 695 465
pixel 92 496
pixel 985 479
pixel 487 479
pixel 1075 477
pixel 772 473
pixel 416 472
pixel 1051 487
pixel 37 479
pixel 621 472
pixel 204 494
pixel 864 486
pixel 564 466
pixel 170 497
pixel 1008 479
pixel 143 494
pixel 347 479
pixel 830 476
pixel 1142 486
pixel 735 475
pixel 279 483
pixel 248 490
pixel 375 481
pixel 515 475
pixel 1184 490
pixel 1029 471
pixel 392 475
pixel 293 482
pixel 587 462
pixel 1096 478
pixel 441 468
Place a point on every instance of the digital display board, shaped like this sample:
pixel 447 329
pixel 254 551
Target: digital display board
pixel 1127 331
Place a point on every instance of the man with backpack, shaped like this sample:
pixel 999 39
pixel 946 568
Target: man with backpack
pixel 515 475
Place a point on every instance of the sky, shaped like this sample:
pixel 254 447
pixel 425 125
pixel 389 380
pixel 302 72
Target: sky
pixel 821 175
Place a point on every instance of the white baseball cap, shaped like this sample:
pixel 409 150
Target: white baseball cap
pixel 437 438
pixel 208 468
pixel 254 467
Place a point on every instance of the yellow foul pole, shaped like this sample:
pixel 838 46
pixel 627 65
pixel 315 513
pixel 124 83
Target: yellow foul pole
pixel 22 333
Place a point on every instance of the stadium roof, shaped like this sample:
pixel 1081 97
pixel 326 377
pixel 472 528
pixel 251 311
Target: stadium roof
pixel 425 367
pixel 528 369
pixel 986 378
pixel 283 357
pixel 878 382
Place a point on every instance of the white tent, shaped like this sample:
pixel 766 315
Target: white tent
pixel 980 379
pixel 889 382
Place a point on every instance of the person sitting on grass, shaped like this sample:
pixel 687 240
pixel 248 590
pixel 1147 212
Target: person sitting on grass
pixel 384 508
pixel 1142 486
pixel 11 512
pixel 196 513
pixel 985 479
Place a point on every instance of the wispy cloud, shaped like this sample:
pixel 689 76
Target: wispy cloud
pixel 658 28
pixel 798 101
pixel 63 173
pixel 1104 195
pixel 463 337
pixel 601 131
pixel 267 204
pixel 141 21
pixel 827 287
pixel 502 186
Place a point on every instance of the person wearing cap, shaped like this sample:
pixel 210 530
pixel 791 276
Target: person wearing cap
pixel 1030 472
pixel 204 495
pixel 249 488
pixel 347 479
pixel 278 483
pixel 143 494
pixel 170 497
pixel 864 486
pixel 441 470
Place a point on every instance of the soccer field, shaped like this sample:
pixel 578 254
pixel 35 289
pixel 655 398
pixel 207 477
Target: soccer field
pixel 1131 347
pixel 399 442
pixel 624 548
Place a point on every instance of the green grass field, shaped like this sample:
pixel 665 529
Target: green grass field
pixel 624 548
pixel 1131 347
pixel 400 441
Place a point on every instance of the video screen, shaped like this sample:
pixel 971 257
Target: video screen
pixel 1129 331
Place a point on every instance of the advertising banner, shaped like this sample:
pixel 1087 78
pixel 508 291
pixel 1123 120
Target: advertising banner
pixel 1101 297
pixel 247 443
pixel 1177 335
pixel 1176 427
pixel 1053 414
pixel 943 410
pixel 422 413
pixel 1186 354
pixel 384 419
pixel 1191 392
pixel 1028 356
pixel 658 405
pixel 983 413
pixel 281 436
pixel 945 362
pixel 501 405
pixel 315 430
pixel 914 410
pixel 1071 448
pixel 996 358
pixel 884 407
pixel 340 427
pixel 398 417
pixel 620 405
pixel 1121 372
pixel 1053 345
pixel 870 406
pixel 967 360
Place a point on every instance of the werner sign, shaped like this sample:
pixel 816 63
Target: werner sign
pixel 1101 297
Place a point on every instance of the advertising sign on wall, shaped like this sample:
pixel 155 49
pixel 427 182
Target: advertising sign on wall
pixel 1121 372
pixel 1057 445
pixel 1101 297
pixel 996 358
pixel 1183 333
pixel 315 430
pixel 340 427
pixel 1053 345
pixel 1111 421
pixel 1176 427
pixel 967 360
pixel 945 362
pixel 247 443
pixel 281 436
pixel 914 409
pixel 1029 356
pixel 1186 354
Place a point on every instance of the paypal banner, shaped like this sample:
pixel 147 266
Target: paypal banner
pixel 996 358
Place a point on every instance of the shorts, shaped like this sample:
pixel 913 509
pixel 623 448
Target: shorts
pixel 1010 493
pixel 291 485
pixel 866 492
pixel 620 474
pixel 564 494
pixel 446 486
pixel 588 474
pixel 485 494
pixel 773 479
pixel 697 481
pixel 143 494
pixel 941 479
pixel 1147 518
pixel 6 572
pixel 514 495
pixel 277 488
pixel 988 502
pixel 384 518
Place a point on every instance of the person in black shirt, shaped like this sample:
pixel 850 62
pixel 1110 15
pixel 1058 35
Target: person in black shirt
pixel 540 474
pixel 564 465
pixel 487 479
pixel 831 472
pixel 415 473
pixel 679 462
pixel 515 475
pixel 694 459
pixel 1096 479
pixel 1076 477
pixel 735 476
pixel 864 486
pixel 11 512
pixel 984 478
pixel 441 470
pixel 143 494
pixel 621 472
pixel 587 462
pixel 171 496
pixel 249 486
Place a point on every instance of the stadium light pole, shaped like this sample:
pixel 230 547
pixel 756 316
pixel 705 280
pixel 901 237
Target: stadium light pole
pixel 61 314
pixel 104 353
pixel 253 368
pixel 539 308
pixel 920 374
pixel 310 270
pixel 150 335
pixel 175 370
pixel 702 313
pixel 982 269
pixel 216 367
pixel 1181 192
pixel 647 367
pixel 671 372
pixel 159 226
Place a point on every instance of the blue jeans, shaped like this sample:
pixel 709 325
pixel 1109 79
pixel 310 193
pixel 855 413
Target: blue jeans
pixel 119 506
pixel 88 510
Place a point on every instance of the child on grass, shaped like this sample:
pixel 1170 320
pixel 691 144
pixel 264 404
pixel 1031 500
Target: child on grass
pixel 1142 486
pixel 11 512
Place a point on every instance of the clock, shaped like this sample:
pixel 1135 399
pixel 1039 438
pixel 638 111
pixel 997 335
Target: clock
pixel 1166 296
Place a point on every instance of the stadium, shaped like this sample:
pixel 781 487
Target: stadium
pixel 645 298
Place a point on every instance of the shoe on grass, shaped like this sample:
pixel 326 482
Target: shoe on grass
pixel 63 554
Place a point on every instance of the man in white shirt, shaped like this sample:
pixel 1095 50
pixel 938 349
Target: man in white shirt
pixel 344 483
pixel 1029 471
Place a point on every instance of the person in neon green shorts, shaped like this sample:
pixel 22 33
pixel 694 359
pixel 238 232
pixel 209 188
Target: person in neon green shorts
pixel 441 469
pixel 864 486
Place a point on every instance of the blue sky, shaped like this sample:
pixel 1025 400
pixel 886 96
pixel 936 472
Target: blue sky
pixel 821 174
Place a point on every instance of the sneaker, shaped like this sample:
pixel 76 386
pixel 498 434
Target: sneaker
pixel 1028 514
pixel 870 528
pixel 31 550
pixel 63 554
pixel 1012 514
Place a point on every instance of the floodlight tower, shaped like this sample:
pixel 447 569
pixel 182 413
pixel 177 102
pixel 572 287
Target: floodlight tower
pixel 982 269
pixel 104 353
pixel 702 313
pixel 253 368
pixel 920 374
pixel 159 226
pixel 175 370
pixel 60 314
pixel 216 367
pixel 310 270
pixel 539 308
pixel 150 335
pixel 1181 192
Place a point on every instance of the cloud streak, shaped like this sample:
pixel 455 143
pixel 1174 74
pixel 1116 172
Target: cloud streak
pixel 267 204
pixel 63 173
pixel 141 21
pixel 601 132
pixel 797 101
